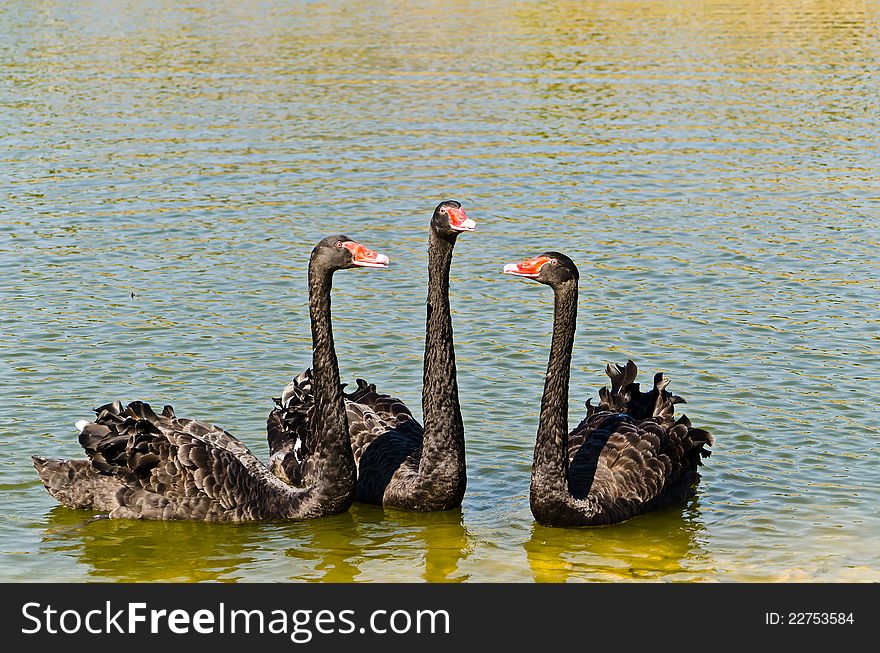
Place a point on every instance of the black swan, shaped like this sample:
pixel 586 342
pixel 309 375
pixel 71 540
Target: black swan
pixel 629 455
pixel 148 466
pixel 400 463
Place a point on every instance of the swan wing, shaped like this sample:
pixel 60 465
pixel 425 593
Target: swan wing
pixel 630 454
pixel 288 430
pixel 372 414
pixel 172 468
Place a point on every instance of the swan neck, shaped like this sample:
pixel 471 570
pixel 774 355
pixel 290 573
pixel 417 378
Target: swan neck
pixel 443 445
pixel 550 465
pixel 335 472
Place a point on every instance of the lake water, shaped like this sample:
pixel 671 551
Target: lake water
pixel 711 166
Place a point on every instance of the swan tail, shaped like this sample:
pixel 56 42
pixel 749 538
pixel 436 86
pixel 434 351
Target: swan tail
pixel 77 484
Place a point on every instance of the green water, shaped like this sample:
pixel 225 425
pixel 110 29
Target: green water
pixel 712 167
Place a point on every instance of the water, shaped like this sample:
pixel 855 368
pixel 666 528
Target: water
pixel 711 166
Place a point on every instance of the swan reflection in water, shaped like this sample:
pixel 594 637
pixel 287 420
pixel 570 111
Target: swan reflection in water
pixel 371 544
pixel 386 545
pixel 127 550
pixel 366 543
pixel 669 544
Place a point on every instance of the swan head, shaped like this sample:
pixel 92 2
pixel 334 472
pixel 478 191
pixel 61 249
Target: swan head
pixel 341 252
pixel 551 268
pixel 449 219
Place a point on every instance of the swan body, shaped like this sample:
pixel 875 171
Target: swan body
pixel 401 463
pixel 629 455
pixel 157 466
pixel 147 466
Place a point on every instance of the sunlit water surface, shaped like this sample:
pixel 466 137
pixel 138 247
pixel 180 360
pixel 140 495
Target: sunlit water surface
pixel 711 166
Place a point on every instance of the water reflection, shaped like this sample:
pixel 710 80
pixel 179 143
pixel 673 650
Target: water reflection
pixel 366 543
pixel 329 552
pixel 441 536
pixel 377 544
pixel 135 551
pixel 667 545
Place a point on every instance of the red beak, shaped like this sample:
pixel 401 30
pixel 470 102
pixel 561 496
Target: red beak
pixel 459 221
pixel 365 258
pixel 529 268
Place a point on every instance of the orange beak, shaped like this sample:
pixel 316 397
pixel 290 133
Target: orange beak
pixel 459 221
pixel 529 268
pixel 365 258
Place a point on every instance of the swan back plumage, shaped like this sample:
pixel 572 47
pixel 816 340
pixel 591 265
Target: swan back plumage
pixel 630 454
pixel 173 468
pixel 374 419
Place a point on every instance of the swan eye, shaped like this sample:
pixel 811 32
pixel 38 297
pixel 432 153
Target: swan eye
pixel 443 210
pixel 554 261
pixel 339 243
